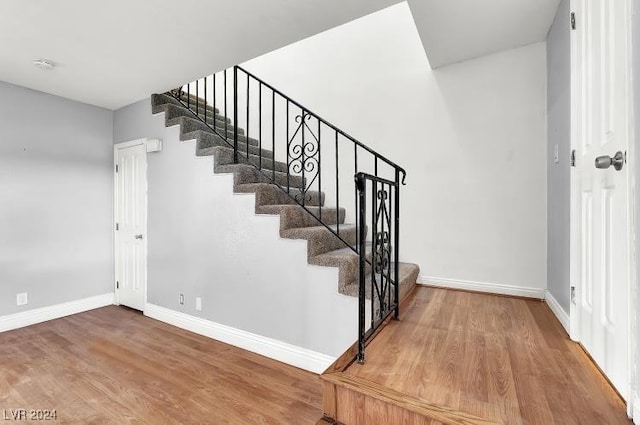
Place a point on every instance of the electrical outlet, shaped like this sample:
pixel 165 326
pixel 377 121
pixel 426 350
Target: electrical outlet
pixel 181 300
pixel 22 299
pixel 198 304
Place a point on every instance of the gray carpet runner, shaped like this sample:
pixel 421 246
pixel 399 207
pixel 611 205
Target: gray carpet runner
pixel 323 247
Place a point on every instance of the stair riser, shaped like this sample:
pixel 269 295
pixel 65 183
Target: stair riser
pixel 188 125
pixel 193 101
pixel 327 241
pixel 244 174
pixel 224 156
pixel 291 219
pixel 271 195
pixel 173 111
pixel 206 139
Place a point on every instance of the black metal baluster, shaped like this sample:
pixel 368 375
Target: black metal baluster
pixel 197 98
pixel 362 198
pixel 205 99
pixel 235 115
pixel 375 165
pixel 396 280
pixel 225 108
pixel 374 254
pixel 288 152
pixel 304 186
pixel 337 186
pixel 259 125
pixel 396 244
pixel 214 104
pixel 273 135
pixel 355 166
pixel 319 168
pixel 246 130
pixel 189 96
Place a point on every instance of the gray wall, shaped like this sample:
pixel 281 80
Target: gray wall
pixel 205 241
pixel 558 175
pixel 55 199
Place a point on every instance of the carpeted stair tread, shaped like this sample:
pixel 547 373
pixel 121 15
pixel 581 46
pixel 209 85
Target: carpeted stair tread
pixel 271 194
pixel 207 139
pixel 408 276
pixel 245 174
pixel 224 155
pixel 320 239
pixel 189 124
pixel 174 111
pixel 192 100
pixel 347 261
pixel 292 216
pixel 164 98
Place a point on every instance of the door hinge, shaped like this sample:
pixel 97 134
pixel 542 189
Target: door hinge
pixel 573 295
pixel 117 226
pixel 117 284
pixel 573 20
pixel 573 157
pixel 116 168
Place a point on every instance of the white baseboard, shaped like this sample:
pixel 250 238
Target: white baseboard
pixel 491 288
pixel 39 315
pixel 290 354
pixel 635 407
pixel 559 312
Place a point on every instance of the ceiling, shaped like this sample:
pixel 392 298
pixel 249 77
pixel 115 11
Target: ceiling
pixel 457 30
pixel 112 53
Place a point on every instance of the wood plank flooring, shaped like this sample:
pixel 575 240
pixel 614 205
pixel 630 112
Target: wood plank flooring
pixel 115 366
pixel 503 359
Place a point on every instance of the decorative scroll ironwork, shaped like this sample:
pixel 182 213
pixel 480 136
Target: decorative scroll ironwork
pixel 303 151
pixel 382 285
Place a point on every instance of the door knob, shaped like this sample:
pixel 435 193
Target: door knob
pixel 605 161
pixel 138 236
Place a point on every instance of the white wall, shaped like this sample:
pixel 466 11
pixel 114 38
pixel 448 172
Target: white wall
pixel 205 241
pixel 56 175
pixel 472 137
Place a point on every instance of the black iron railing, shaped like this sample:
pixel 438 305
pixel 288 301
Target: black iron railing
pixel 379 274
pixel 313 162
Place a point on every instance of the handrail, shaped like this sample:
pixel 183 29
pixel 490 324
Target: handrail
pixel 333 127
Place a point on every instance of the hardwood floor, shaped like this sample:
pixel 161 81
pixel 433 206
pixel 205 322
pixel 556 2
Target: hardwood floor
pixel 115 366
pixel 506 360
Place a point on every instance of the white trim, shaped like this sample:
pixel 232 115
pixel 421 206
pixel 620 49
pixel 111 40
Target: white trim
pixel 290 354
pixel 634 407
pixel 39 315
pixel 558 311
pixel 491 288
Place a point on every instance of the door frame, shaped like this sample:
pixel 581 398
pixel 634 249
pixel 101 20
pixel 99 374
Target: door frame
pixel 116 148
pixel 575 319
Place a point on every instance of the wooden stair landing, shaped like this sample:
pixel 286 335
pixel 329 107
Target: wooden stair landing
pixel 474 359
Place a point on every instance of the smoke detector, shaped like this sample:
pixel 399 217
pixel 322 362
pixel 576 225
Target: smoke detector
pixel 44 64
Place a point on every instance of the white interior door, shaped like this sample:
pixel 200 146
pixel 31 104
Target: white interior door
pixel 131 224
pixel 600 211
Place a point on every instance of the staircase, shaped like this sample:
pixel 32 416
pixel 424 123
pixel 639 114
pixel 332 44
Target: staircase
pixel 289 171
pixel 324 248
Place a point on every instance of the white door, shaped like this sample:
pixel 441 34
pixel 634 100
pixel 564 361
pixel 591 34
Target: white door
pixel 131 223
pixel 600 204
